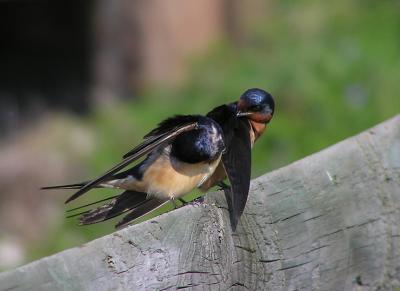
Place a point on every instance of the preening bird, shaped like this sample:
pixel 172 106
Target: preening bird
pixel 182 152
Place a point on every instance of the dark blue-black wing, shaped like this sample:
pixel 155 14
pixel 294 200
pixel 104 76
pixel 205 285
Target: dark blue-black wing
pixel 236 159
pixel 163 128
pixel 154 139
pixel 237 164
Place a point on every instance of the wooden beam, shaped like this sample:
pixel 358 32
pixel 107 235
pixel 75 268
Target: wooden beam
pixel 330 221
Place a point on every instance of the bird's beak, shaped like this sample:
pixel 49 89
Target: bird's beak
pixel 241 114
pixel 268 118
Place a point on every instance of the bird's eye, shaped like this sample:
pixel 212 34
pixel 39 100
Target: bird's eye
pixel 256 108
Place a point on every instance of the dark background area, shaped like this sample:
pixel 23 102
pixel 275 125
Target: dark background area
pixel 45 57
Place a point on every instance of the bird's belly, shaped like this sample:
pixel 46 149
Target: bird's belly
pixel 218 175
pixel 167 178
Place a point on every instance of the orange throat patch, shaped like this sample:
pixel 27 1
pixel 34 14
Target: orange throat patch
pixel 258 128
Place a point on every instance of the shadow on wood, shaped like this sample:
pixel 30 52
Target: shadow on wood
pixel 330 221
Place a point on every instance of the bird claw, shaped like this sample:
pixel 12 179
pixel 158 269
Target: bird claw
pixel 196 201
pixel 223 186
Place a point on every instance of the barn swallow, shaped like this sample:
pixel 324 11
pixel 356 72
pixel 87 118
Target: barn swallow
pixel 242 122
pixel 184 152
pixel 181 153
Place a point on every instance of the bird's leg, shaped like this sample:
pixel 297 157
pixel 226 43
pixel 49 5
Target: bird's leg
pixel 174 202
pixel 198 200
pixel 223 186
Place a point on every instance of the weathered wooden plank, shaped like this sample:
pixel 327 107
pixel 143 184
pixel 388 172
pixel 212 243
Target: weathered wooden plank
pixel 328 222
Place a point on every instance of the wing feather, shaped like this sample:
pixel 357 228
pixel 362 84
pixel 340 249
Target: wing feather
pixel 140 151
pixel 237 158
pixel 237 164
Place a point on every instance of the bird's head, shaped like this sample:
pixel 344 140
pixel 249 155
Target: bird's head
pixel 257 105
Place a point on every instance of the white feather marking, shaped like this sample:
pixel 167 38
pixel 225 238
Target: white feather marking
pixel 124 183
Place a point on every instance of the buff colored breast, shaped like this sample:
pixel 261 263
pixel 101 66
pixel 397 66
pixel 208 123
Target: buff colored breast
pixel 257 130
pixel 167 178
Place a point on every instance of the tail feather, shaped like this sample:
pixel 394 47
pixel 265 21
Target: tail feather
pixel 92 203
pixel 140 211
pixel 126 201
pixel 67 186
pixel 77 214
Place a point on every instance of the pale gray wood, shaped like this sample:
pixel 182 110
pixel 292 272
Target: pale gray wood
pixel 330 221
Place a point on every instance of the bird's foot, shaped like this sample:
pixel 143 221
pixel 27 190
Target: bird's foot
pixel 223 186
pixel 196 201
pixel 176 206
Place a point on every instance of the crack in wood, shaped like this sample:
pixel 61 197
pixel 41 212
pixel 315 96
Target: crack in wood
pixel 192 272
pixel 124 271
pixel 247 249
pixel 363 223
pixel 268 260
pixel 238 284
pixel 317 248
pixel 293 246
pixel 328 234
pixel 167 288
pixel 315 217
pixel 277 192
pixel 293 266
pixel 292 216
pixel 187 286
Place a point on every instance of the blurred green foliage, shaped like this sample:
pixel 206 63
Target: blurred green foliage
pixel 333 68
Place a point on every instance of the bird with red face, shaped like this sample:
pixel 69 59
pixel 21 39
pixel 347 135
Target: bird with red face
pixel 242 123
